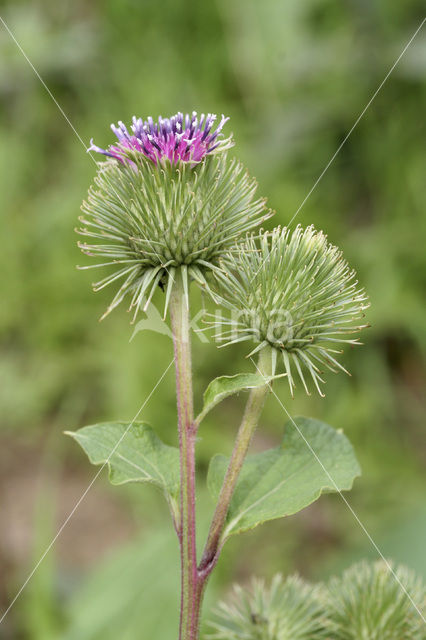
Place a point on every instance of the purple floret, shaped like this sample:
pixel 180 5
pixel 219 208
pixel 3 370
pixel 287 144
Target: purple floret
pixel 179 138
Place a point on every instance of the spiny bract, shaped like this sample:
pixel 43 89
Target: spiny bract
pixel 288 610
pixel 146 220
pixel 293 292
pixel 376 602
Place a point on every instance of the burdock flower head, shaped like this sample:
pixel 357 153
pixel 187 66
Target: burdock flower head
pixel 166 198
pixel 289 609
pixel 294 294
pixel 376 601
pixel 179 138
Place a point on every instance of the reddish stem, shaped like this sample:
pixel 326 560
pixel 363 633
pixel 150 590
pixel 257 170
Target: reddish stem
pixel 192 583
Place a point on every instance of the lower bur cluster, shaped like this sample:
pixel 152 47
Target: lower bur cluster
pixel 170 209
pixel 368 601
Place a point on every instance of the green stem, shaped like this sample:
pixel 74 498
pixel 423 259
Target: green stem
pixel 247 428
pixel 191 589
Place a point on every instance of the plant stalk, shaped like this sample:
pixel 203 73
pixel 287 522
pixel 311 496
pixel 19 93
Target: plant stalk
pixel 247 428
pixel 191 584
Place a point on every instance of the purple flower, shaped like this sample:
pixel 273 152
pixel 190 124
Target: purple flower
pixel 179 138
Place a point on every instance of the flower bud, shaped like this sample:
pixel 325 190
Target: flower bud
pixel 289 609
pixel 376 601
pixel 292 292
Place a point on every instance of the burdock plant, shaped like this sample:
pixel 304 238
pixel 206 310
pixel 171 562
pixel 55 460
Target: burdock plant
pixel 376 602
pixel 169 208
pixel 370 601
pixel 288 609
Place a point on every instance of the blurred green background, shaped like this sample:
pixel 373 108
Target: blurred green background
pixel 294 76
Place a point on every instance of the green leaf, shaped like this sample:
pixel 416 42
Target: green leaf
pixel 133 454
pixel 282 481
pixel 221 388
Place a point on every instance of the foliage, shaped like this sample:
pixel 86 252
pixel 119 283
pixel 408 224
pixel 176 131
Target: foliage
pixel 123 597
pixel 133 453
pixel 225 386
pixel 282 481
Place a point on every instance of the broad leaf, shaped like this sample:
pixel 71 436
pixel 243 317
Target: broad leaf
pixel 282 481
pixel 221 388
pixel 133 454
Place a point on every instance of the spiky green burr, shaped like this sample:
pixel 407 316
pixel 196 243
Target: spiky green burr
pixel 144 221
pixel 376 602
pixel 289 609
pixel 292 291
